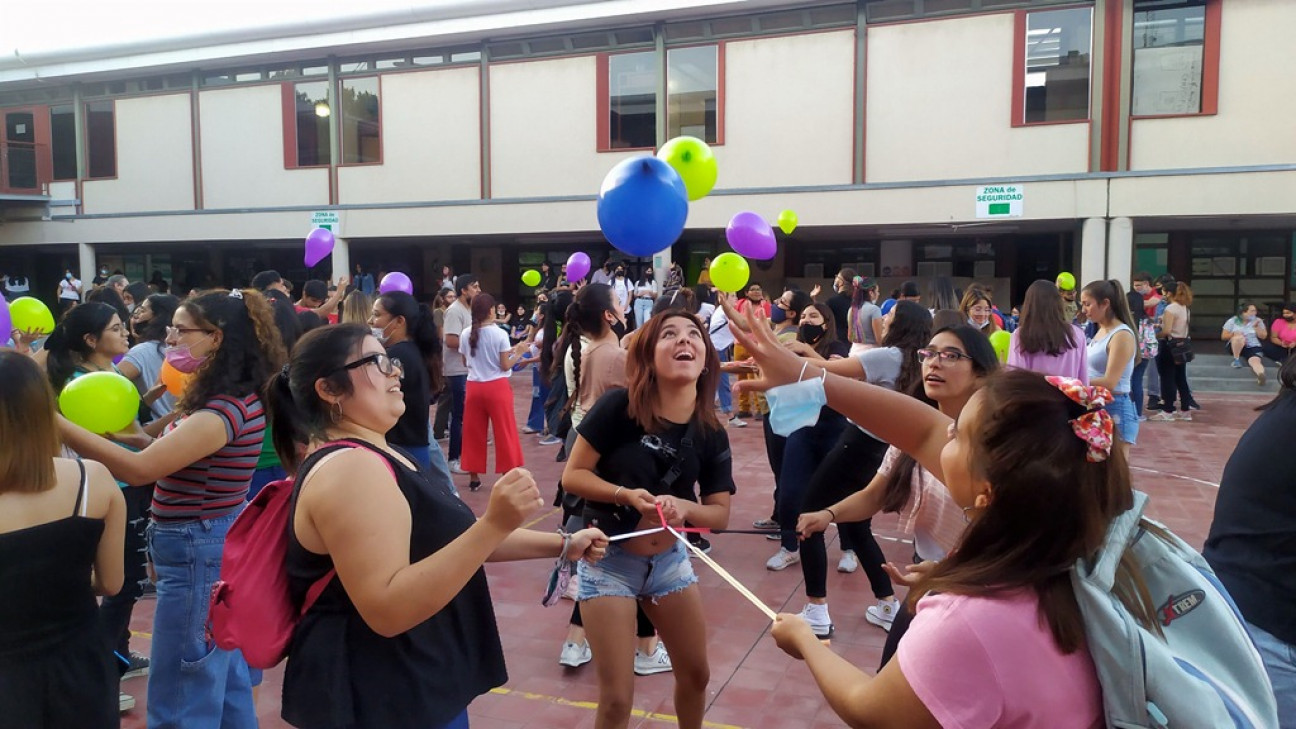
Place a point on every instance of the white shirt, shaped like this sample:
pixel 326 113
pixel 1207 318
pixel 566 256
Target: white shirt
pixel 647 288
pixel 70 289
pixel 457 318
pixel 621 286
pixel 485 365
pixel 718 327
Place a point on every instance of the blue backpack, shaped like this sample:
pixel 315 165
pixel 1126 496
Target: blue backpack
pixel 1203 671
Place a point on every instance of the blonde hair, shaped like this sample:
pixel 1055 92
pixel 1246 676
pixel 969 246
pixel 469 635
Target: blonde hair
pixel 356 308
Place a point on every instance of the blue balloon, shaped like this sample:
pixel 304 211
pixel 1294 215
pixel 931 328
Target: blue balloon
pixel 642 206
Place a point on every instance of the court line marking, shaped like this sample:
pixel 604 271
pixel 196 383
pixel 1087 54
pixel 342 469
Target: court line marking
pixel 542 517
pixel 593 705
pixel 1212 484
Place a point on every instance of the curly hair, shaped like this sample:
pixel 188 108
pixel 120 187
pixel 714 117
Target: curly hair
pixel 251 347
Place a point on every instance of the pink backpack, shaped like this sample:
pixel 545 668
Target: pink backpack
pixel 251 608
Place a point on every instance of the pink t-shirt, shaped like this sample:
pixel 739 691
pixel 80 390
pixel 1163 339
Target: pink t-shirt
pixel 1285 331
pixel 1071 363
pixel 991 662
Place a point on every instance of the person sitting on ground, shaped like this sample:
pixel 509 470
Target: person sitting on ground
pixel 1244 333
pixel 1282 335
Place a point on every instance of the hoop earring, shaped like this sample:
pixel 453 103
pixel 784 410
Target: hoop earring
pixel 335 411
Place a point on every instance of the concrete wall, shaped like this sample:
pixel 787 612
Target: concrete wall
pixel 242 152
pixel 1257 99
pixel 154 158
pixel 939 106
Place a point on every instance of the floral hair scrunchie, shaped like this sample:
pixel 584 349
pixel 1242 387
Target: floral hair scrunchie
pixel 1095 427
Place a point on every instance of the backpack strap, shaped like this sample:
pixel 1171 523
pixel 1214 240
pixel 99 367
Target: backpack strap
pixel 685 452
pixel 1120 534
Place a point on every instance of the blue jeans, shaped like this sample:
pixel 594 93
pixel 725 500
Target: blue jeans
pixel 263 476
pixel 642 311
pixel 1121 409
pixel 438 468
pixel 458 385
pixel 624 574
pixel 1280 664
pixel 539 393
pixel 726 396
pixel 192 683
pixel 804 451
pixel 1136 385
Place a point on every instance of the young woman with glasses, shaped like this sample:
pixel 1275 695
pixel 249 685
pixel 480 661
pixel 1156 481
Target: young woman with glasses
pixel 404 634
pixel 406 328
pixel 202 466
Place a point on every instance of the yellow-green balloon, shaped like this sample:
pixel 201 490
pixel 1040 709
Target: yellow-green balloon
pixel 1066 281
pixel 29 314
pixel 730 272
pixel 100 402
pixel 693 160
pixel 787 221
pixel 1000 341
pixel 531 278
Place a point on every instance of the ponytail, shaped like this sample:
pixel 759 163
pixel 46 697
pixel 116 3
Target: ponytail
pixel 285 419
pixel 423 331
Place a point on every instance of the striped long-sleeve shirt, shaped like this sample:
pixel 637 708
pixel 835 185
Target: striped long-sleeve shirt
pixel 216 485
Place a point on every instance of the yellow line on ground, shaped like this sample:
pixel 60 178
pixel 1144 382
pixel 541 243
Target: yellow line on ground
pixel 140 634
pixel 542 517
pixel 592 705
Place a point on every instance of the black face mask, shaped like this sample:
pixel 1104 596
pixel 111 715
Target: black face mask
pixel 619 329
pixel 811 333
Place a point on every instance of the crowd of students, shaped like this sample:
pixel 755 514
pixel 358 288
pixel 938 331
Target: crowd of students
pixel 895 406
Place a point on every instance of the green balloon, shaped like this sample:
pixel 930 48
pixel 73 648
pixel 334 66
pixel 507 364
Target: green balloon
pixel 730 272
pixel 100 402
pixel 1000 341
pixel 695 163
pixel 531 278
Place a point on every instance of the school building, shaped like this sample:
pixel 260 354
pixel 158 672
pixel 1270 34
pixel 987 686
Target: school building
pixel 992 140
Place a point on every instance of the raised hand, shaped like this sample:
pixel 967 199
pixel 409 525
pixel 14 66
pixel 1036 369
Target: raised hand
pixel 513 498
pixel 778 365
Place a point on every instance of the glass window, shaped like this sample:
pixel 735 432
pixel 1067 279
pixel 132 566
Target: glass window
pixel 632 100
pixel 311 110
pixel 101 140
pixel 1169 39
pixel 691 84
pixel 359 123
pixel 1057 65
pixel 63 142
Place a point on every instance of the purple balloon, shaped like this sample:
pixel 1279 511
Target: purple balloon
pixel 751 237
pixel 6 321
pixel 578 266
pixel 318 245
pixel 119 358
pixel 396 281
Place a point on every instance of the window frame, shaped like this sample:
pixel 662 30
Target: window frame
pixel 1210 66
pixel 71 109
pixel 288 94
pixel 341 162
pixel 603 88
pixel 1020 26
pixel 85 109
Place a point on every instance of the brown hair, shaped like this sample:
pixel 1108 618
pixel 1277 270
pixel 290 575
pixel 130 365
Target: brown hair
pixel 1044 327
pixel 641 375
pixel 974 294
pixel 1182 295
pixel 251 351
pixel 1113 293
pixel 483 311
pixel 1049 506
pixel 28 427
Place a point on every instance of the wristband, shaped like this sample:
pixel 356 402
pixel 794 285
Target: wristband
pixel 566 543
pixel 617 493
pixel 831 513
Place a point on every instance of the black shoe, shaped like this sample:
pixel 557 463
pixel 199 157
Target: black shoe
pixel 697 540
pixel 1193 405
pixel 1154 403
pixel 474 485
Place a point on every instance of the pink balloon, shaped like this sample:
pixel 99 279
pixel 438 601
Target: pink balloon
pixel 396 281
pixel 578 266
pixel 751 237
pixel 318 245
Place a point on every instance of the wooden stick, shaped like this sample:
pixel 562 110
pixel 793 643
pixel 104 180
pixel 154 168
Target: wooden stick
pixel 724 574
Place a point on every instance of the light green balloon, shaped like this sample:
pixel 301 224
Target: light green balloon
pixel 531 278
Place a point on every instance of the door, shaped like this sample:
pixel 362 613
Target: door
pixel 18 153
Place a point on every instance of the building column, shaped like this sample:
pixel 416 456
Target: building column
pixel 86 260
pixel 341 259
pixel 1093 251
pixel 1120 250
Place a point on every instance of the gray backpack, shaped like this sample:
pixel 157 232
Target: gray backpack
pixel 1205 672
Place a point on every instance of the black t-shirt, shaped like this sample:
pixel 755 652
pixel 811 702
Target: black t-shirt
pixel 1135 301
pixel 1252 542
pixel 412 428
pixel 635 459
pixel 840 305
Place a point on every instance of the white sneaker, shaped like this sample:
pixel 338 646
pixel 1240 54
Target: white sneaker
pixel 1183 415
pixel 658 662
pixel 125 702
pixel 575 655
pixel 454 468
pixel 737 423
pixel 849 562
pixel 882 614
pixel 818 618
pixel 782 559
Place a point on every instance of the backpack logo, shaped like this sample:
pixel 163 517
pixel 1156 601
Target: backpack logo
pixel 1177 606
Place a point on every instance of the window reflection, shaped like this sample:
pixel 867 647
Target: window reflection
pixel 312 126
pixel 1058 46
pixel 359 122
pixel 1169 40
pixel 691 84
pixel 632 91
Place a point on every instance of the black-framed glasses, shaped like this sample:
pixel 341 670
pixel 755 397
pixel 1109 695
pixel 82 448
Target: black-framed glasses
pixel 948 356
pixel 386 365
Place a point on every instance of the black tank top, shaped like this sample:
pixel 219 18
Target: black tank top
pixel 341 673
pixel 46 595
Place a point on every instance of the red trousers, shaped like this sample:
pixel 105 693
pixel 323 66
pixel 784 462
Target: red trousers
pixel 490 402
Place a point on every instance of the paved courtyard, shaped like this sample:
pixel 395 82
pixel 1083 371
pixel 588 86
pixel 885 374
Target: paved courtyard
pixel 754 685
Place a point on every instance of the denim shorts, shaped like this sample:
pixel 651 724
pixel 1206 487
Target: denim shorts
pixel 1125 417
pixel 624 574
